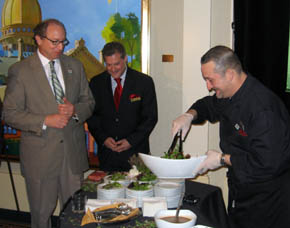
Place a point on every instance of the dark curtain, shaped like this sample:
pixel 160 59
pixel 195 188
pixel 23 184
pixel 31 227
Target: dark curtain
pixel 261 34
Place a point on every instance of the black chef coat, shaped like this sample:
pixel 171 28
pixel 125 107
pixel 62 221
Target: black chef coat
pixel 255 131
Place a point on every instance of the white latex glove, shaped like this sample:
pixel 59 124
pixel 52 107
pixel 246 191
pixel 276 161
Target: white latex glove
pixel 183 123
pixel 212 161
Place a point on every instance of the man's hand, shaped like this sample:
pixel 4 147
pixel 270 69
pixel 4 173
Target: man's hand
pixel 122 145
pixel 56 121
pixel 183 123
pixel 211 162
pixel 110 143
pixel 118 146
pixel 67 109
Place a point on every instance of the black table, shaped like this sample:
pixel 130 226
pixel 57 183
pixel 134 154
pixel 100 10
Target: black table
pixel 204 200
pixel 208 206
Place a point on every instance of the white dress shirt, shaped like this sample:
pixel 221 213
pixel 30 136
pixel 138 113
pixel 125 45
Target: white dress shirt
pixel 114 83
pixel 45 63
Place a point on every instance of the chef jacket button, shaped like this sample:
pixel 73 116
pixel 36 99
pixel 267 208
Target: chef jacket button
pixel 117 119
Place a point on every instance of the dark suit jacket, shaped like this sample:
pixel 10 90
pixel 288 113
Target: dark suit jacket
pixel 29 99
pixel 135 120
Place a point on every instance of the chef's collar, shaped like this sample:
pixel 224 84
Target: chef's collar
pixel 241 90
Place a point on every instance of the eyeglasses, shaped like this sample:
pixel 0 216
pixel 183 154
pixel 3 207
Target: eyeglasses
pixel 57 42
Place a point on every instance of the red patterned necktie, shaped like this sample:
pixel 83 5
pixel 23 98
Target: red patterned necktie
pixel 118 93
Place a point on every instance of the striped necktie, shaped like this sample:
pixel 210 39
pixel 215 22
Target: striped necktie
pixel 58 91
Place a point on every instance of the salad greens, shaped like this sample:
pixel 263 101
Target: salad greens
pixel 146 176
pixel 139 186
pixel 145 172
pixel 112 185
pixel 90 186
pixel 145 224
pixel 175 154
pixel 118 176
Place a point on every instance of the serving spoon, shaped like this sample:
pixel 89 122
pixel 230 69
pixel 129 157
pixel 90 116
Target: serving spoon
pixel 178 207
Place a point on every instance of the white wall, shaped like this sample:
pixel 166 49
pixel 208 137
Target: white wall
pixel 196 41
pixel 180 28
pixel 166 38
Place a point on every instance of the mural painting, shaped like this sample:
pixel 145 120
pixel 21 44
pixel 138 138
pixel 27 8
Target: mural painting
pixel 89 24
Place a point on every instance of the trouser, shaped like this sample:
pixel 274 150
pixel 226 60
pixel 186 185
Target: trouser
pixel 43 194
pixel 260 205
pixel 113 161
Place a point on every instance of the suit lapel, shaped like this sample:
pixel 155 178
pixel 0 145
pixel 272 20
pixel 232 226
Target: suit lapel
pixel 40 78
pixel 127 89
pixel 109 91
pixel 67 73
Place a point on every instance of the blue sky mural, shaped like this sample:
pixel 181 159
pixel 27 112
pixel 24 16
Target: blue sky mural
pixel 86 18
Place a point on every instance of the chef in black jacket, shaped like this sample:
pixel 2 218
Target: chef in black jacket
pixel 254 140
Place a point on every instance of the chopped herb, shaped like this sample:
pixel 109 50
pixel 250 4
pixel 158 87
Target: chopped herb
pixel 175 154
pixel 145 224
pixel 139 186
pixel 118 176
pixel 112 185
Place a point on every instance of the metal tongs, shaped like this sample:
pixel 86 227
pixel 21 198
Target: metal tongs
pixel 108 214
pixel 173 144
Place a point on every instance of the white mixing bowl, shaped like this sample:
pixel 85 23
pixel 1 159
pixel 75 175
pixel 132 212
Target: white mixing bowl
pixel 172 168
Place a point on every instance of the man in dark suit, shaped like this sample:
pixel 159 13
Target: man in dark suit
pixel 48 98
pixel 121 129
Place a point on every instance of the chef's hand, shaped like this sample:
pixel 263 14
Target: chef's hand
pixel 212 161
pixel 183 123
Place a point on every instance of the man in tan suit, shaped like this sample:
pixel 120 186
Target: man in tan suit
pixel 52 151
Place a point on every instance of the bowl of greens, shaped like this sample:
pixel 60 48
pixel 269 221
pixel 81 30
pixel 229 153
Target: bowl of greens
pixel 120 177
pixel 111 190
pixel 139 190
pixel 140 172
pixel 172 168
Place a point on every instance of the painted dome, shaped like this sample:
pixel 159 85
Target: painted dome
pixel 19 17
pixel 25 12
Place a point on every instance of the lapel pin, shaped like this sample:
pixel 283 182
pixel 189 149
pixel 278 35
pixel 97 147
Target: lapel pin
pixel 237 126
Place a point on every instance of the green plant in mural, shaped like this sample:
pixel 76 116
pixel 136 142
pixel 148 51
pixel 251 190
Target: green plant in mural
pixel 127 31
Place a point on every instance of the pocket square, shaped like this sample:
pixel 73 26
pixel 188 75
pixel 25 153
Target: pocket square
pixel 134 97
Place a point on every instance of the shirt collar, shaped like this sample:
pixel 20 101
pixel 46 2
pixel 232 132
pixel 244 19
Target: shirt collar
pixel 45 60
pixel 123 76
pixel 242 89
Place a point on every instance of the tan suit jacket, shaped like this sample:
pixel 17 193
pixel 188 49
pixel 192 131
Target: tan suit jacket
pixel 29 98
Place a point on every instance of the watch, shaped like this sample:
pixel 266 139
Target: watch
pixel 223 161
pixel 75 117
